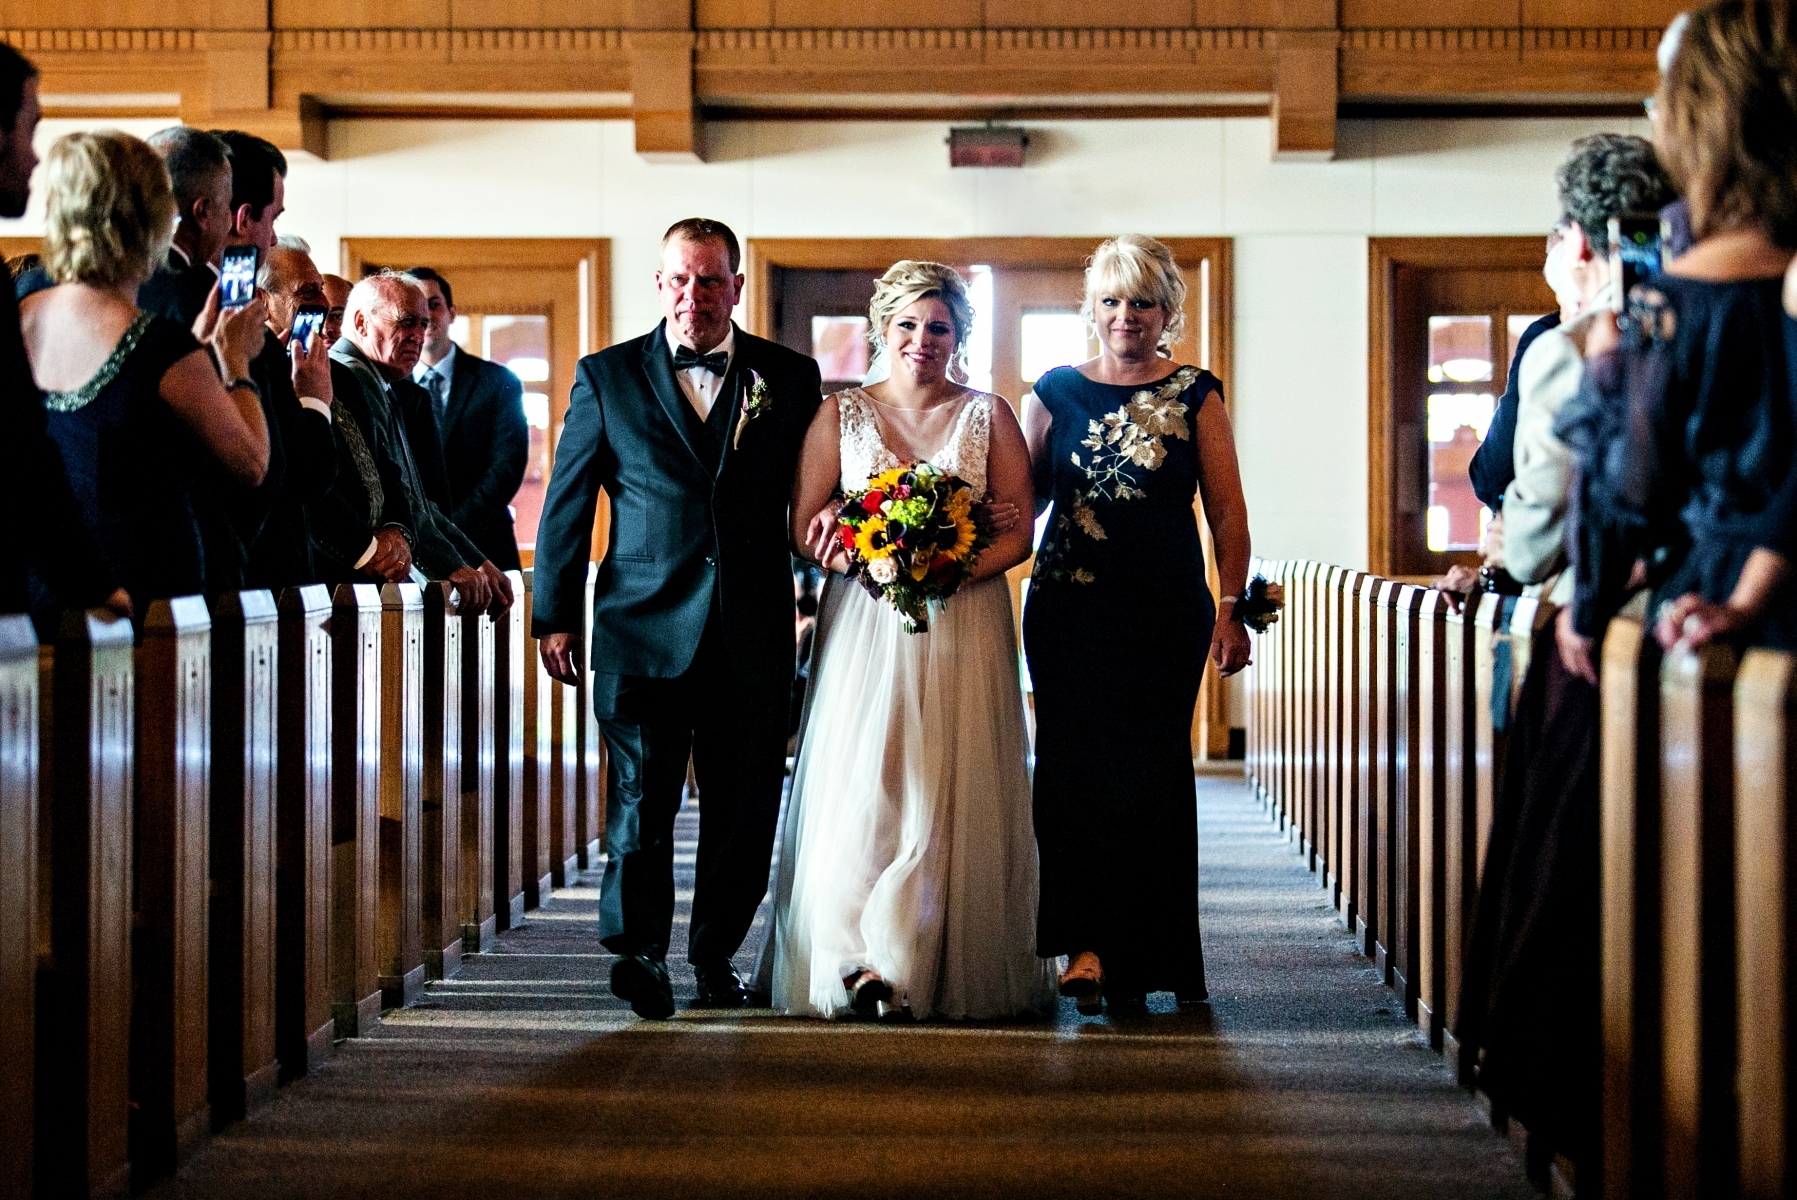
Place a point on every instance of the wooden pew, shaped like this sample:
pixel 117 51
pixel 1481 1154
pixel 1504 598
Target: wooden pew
pixel 1402 913
pixel 478 920
pixel 1252 680
pixel 1329 685
pixel 1459 860
pixel 1629 819
pixel 171 826
pixel 18 899
pixel 1766 903
pixel 1697 844
pixel 564 783
pixel 1354 783
pixel 304 1023
pixel 1372 751
pixel 400 906
pixel 592 747
pixel 1298 602
pixel 355 807
pixel 540 759
pixel 1431 757
pixel 242 1065
pixel 84 986
pixel 508 761
pixel 442 800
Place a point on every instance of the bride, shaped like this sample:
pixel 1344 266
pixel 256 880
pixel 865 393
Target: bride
pixel 908 867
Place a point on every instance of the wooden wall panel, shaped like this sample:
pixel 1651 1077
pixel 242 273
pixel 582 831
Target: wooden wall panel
pixel 107 14
pixel 539 14
pixel 1439 14
pixel 733 14
pixel 1096 14
pixel 359 14
pixel 872 14
pixel 18 898
pixel 1598 14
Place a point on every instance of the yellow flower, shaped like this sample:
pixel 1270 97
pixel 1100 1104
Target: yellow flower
pixel 964 538
pixel 864 539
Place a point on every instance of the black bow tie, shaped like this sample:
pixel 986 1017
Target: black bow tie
pixel 686 358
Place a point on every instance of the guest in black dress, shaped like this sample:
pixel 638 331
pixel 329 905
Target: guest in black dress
pixel 1687 427
pixel 1118 626
pixel 135 404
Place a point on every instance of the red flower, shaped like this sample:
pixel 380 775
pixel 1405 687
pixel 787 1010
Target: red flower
pixel 871 502
pixel 847 537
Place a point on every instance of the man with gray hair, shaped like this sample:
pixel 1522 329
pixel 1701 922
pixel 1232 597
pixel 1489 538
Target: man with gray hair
pixel 384 324
pixel 200 172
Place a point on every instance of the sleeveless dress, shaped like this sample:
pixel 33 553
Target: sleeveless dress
pixel 1117 628
pixel 907 846
pixel 131 463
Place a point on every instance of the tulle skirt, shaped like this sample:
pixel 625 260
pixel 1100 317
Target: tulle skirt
pixel 907 846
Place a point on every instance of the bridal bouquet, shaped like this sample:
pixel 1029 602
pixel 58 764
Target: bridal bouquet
pixel 911 538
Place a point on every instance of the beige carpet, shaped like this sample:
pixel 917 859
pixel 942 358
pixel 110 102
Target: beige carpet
pixel 523 1077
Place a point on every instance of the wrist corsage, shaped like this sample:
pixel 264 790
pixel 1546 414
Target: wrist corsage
pixel 1259 604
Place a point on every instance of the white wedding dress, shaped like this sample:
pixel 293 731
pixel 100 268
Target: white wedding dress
pixel 908 846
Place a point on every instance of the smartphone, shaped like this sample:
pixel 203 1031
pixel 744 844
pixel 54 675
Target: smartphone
pixel 1637 250
pixel 308 323
pixel 237 276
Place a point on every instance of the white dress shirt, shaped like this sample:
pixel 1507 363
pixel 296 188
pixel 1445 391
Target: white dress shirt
pixel 702 386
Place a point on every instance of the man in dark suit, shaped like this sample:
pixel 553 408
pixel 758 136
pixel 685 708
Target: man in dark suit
pixel 693 431
pixel 296 400
pixel 479 407
pixel 201 174
pixel 46 537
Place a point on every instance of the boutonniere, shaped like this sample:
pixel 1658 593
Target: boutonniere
pixel 756 401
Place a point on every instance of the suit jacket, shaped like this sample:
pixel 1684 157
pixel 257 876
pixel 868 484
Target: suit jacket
pixel 279 550
pixel 486 448
pixel 438 547
pixel 46 536
pixel 692 533
pixel 178 290
pixel 368 494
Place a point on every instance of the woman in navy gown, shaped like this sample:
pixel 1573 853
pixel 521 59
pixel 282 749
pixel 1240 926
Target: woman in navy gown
pixel 133 400
pixel 1118 626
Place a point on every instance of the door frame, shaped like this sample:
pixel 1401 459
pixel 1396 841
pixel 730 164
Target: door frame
pixel 1209 310
pixel 1385 256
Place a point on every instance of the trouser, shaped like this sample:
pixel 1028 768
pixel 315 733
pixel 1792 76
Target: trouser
pixel 736 741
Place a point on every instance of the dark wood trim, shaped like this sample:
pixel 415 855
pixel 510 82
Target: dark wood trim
pixel 1384 256
pixel 975 112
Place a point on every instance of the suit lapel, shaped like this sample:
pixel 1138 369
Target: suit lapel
pixel 730 396
pixel 658 365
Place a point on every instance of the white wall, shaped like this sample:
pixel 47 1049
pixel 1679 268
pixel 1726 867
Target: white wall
pixel 1300 231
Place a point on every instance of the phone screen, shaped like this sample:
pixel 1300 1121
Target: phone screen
pixel 307 323
pixel 1636 243
pixel 237 276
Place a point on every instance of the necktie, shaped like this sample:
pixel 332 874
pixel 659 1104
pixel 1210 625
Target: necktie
pixel 685 359
pixel 439 397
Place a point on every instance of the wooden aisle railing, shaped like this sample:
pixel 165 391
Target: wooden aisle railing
pixel 238 840
pixel 1377 718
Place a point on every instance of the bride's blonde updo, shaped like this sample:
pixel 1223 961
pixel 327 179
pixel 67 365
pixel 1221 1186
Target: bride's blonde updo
pixel 1136 267
pixel 909 281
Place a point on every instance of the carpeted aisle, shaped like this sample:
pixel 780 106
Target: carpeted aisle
pixel 523 1077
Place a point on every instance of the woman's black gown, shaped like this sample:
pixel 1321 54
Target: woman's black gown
pixel 130 461
pixel 1117 629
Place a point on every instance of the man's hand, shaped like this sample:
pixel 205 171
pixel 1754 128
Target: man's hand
pixel 237 337
pixel 1575 648
pixel 823 542
pixel 561 657
pixel 311 368
pixel 1230 646
pixel 118 604
pixel 996 519
pixel 1491 546
pixel 392 560
pixel 472 589
pixel 1696 622
pixel 501 589
pixel 1459 580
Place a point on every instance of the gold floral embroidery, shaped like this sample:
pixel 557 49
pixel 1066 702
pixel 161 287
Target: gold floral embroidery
pixel 1120 442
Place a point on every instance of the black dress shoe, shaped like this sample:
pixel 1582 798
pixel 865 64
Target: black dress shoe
pixel 643 982
pixel 719 986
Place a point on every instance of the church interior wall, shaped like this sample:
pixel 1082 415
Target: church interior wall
pixel 1301 323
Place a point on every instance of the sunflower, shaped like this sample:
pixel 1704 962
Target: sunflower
pixel 870 539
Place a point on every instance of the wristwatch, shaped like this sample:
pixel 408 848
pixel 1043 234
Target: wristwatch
pixel 242 381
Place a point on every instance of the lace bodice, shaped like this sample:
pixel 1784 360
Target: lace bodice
pixel 865 452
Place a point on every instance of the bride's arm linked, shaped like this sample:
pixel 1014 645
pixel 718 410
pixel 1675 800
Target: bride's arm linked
pixel 814 500
pixel 1008 480
pixel 1036 424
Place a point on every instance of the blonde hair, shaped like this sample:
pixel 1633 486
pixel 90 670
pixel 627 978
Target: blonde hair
pixel 908 281
pixel 110 210
pixel 1136 267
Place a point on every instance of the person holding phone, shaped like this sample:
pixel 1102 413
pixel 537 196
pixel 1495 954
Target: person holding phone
pixel 295 374
pixel 129 393
pixel 200 174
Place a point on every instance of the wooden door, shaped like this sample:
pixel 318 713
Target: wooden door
pixel 1446 313
pixel 536 305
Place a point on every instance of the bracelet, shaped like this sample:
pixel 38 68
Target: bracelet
pixel 242 382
